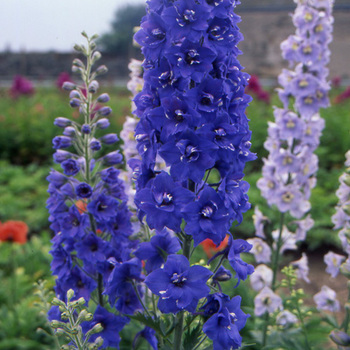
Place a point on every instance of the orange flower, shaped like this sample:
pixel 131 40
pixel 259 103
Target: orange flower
pixel 210 248
pixel 14 231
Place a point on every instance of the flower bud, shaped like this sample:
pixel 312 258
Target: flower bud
pixel 113 158
pixel 96 56
pixel 79 48
pixel 103 98
pixel 103 123
pixel 61 142
pixel 68 86
pixel 93 86
pixel 340 338
pixel 70 294
pixel 74 102
pixel 97 328
pixel 78 63
pixel 222 275
pixel 69 131
pixel 109 139
pixel 74 94
pixel 95 145
pixel 62 122
pixel 101 70
pixel 85 129
pixel 57 302
pixel 104 111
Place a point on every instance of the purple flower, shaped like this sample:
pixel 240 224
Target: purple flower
pixel 225 322
pixel 83 190
pixel 333 262
pixel 70 167
pixel 302 268
pixel 162 202
pixel 111 324
pixel 207 217
pixel 261 250
pixel 267 301
pixel 103 207
pixel 188 157
pixel 156 251
pixel 285 318
pixel 326 300
pixel 262 277
pixel 234 250
pixel 178 284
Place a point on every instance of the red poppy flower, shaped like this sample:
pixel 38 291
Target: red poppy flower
pixel 14 231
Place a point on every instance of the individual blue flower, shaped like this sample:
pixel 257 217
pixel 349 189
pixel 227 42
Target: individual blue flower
pixel 162 202
pixel 103 208
pixel 179 285
pixel 110 175
pixel 121 279
pixel 191 60
pixel 72 223
pixel 152 35
pixel 61 263
pixel 188 157
pixel 83 190
pixel 225 322
pixel 187 19
pixel 207 217
pixel 155 251
pixel 112 325
pixel 91 249
pixel 222 275
pixel 77 280
pixel 150 335
pixel 233 251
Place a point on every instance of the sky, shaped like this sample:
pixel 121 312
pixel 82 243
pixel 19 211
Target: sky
pixel 53 25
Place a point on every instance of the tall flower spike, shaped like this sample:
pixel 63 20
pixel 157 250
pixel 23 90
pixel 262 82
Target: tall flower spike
pixel 289 172
pixel 192 116
pixel 87 203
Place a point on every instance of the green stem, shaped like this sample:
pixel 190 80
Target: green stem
pixel 140 299
pixel 100 289
pixel 276 256
pixel 266 323
pixel 200 343
pixel 275 266
pixel 186 250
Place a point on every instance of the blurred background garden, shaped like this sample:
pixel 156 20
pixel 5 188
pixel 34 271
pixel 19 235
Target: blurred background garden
pixel 31 98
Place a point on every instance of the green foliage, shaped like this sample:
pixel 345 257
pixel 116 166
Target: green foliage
pixel 23 194
pixel 20 317
pixel 119 40
pixel 26 124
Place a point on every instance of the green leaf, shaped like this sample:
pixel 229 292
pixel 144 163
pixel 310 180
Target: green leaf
pixel 191 337
pixel 148 321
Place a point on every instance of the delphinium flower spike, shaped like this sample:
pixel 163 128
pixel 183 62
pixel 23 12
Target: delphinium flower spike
pixel 192 116
pixel 87 204
pixel 289 171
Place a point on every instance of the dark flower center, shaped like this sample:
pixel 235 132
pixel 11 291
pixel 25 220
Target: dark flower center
pixel 192 57
pixel 94 247
pixel 207 99
pixel 179 115
pixel 191 153
pixel 220 133
pixel 102 206
pixel 178 280
pixel 158 34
